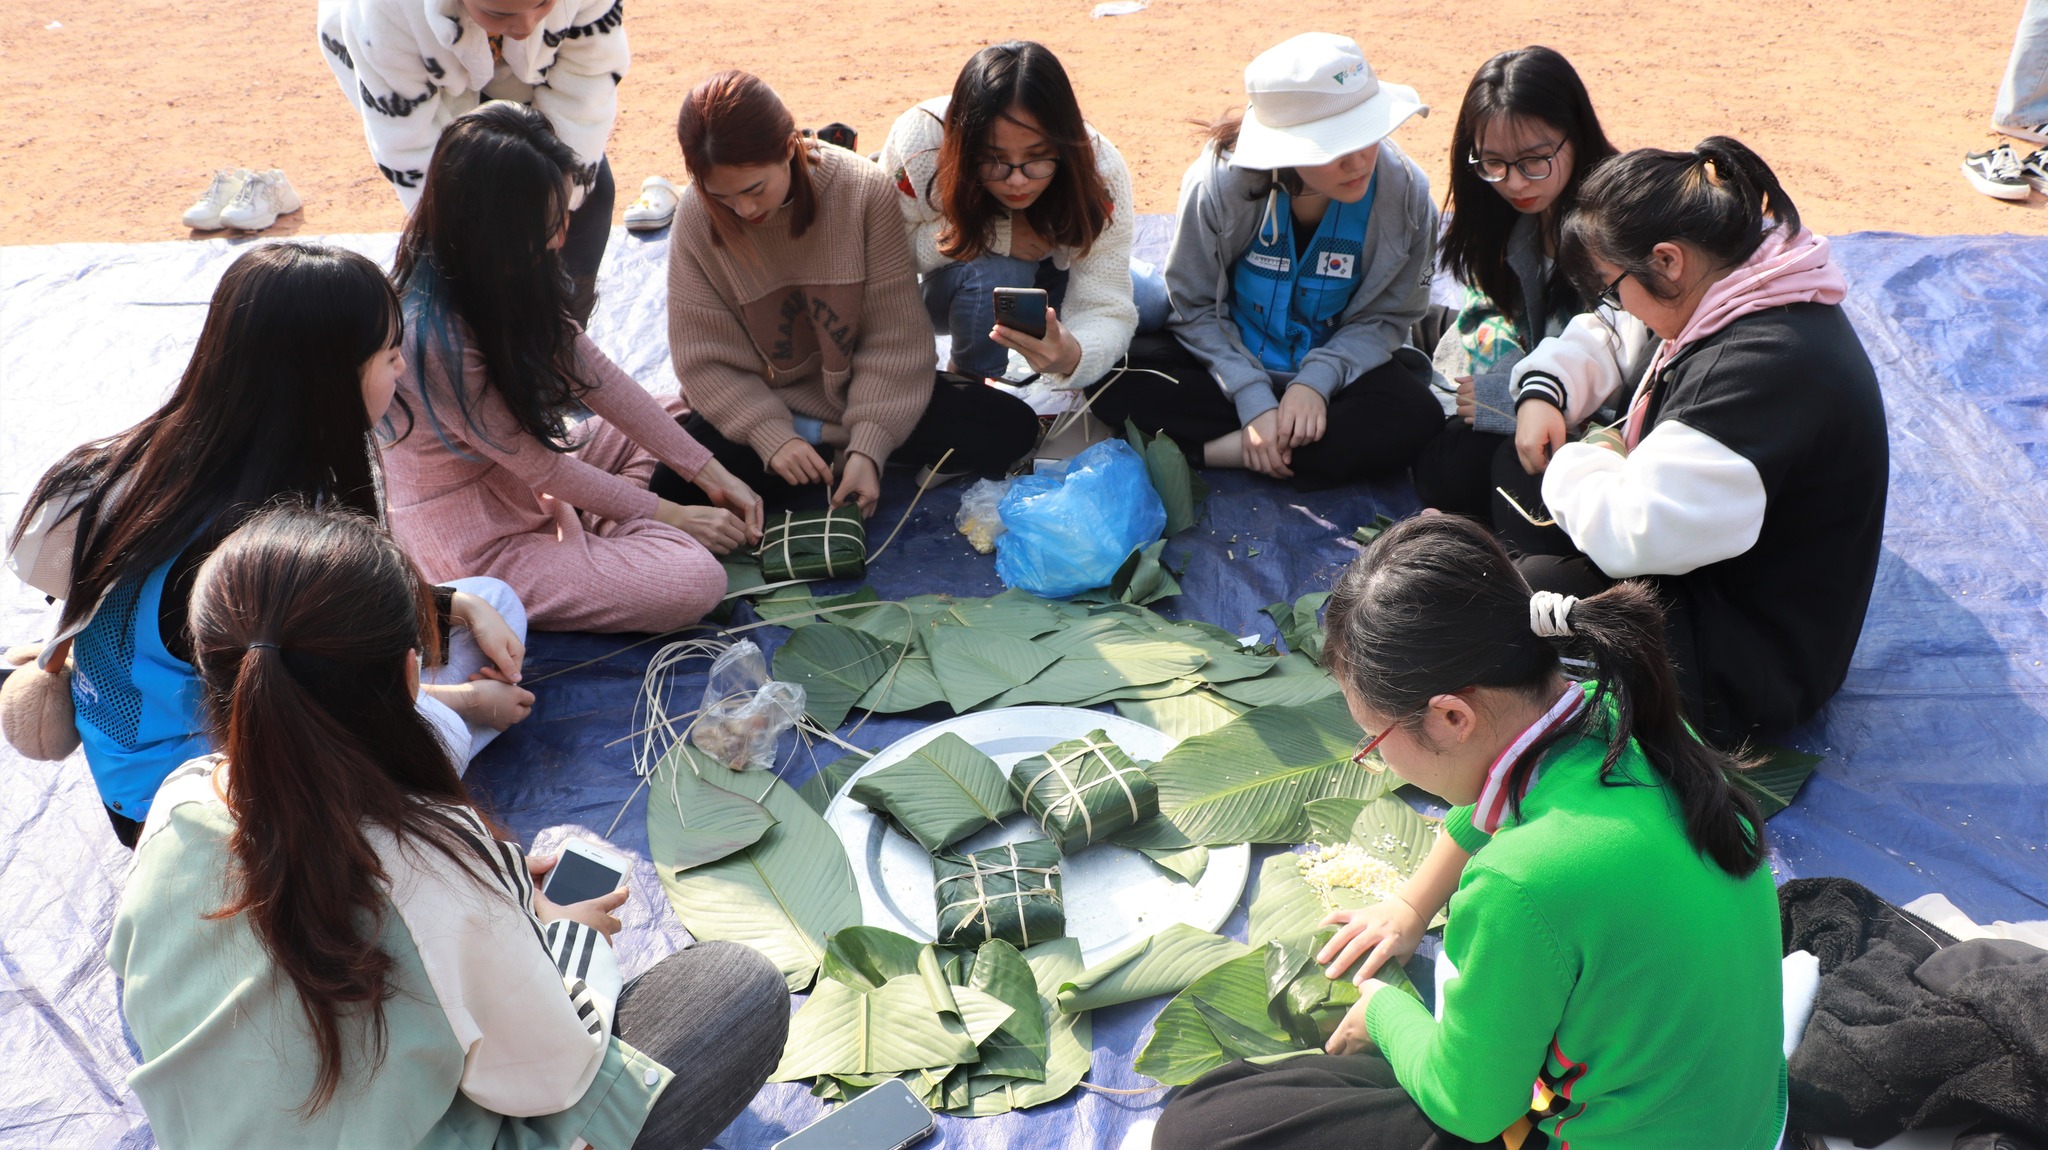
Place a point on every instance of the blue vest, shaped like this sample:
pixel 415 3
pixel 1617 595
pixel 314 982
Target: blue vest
pixel 1287 305
pixel 137 704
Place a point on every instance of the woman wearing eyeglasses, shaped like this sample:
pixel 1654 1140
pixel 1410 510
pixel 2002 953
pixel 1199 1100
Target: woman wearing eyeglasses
pixel 1300 260
pixel 1746 479
pixel 1004 185
pixel 1526 139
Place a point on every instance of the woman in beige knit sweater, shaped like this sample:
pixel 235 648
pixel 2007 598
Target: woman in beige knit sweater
pixel 794 318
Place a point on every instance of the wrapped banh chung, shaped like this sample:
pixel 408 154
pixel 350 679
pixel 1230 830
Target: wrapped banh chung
pixel 814 545
pixel 1084 790
pixel 1011 892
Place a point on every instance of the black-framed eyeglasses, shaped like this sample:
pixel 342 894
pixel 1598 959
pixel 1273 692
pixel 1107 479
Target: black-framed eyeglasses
pixel 1531 167
pixel 1610 296
pixel 996 171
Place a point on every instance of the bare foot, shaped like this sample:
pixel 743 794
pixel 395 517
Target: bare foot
pixel 484 702
pixel 1224 451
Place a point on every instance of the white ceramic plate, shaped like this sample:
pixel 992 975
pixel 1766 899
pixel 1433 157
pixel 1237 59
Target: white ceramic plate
pixel 1114 896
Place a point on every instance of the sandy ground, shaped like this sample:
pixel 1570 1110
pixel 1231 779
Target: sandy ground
pixel 117 112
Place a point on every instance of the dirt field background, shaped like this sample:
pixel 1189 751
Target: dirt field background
pixel 118 112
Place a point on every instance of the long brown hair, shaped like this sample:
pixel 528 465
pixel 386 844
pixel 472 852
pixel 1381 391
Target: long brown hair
pixel 735 118
pixel 301 622
pixel 270 404
pixel 1075 208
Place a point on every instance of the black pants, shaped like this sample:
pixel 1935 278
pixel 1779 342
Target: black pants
pixel 1307 1103
pixel 717 1015
pixel 590 229
pixel 1455 471
pixel 987 431
pixel 1378 423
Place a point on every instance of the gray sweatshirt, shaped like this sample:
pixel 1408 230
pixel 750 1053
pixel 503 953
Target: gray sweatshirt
pixel 1220 211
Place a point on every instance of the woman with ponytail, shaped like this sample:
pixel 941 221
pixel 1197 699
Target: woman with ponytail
pixel 1747 478
pixel 324 944
pixel 296 364
pixel 1613 937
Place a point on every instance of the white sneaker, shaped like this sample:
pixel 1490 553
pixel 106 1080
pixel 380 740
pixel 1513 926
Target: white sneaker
pixel 204 214
pixel 656 207
pixel 266 196
pixel 1996 173
pixel 2032 133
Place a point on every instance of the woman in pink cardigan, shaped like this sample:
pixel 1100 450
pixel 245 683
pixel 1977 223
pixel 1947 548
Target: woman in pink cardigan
pixel 486 476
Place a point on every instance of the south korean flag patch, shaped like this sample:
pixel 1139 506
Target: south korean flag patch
pixel 1336 265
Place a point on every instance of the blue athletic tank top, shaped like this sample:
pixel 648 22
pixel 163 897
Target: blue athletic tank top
pixel 137 704
pixel 1287 303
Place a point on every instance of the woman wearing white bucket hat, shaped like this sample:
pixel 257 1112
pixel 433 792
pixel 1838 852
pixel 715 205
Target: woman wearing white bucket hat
pixel 1301 258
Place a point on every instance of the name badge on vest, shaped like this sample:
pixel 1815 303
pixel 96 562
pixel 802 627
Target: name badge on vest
pixel 1261 260
pixel 1336 265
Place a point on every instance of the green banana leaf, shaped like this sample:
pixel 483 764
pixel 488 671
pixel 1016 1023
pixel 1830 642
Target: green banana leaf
pixel 1013 612
pixel 907 685
pixel 1166 963
pixel 1069 1037
pixel 1159 840
pixel 1178 486
pixel 940 793
pixel 1182 716
pixel 826 781
pixel 1188 864
pixel 1283 908
pixel 1142 577
pixel 691 822
pixel 1250 780
pixel 1776 781
pixel 867 957
pixel 1389 829
pixel 896 1027
pixel 1299 626
pixel 1219 1017
pixel 783 896
pixel 835 666
pixel 1084 790
pixel 1305 1002
pixel 1293 680
pixel 1011 892
pixel 797 607
pixel 1018 1048
pixel 1102 654
pixel 974 665
pixel 1371 531
pixel 1330 820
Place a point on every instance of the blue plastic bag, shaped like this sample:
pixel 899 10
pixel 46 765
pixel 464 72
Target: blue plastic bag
pixel 1069 534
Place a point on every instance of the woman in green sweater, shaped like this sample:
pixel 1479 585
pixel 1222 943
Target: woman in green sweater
pixel 1612 958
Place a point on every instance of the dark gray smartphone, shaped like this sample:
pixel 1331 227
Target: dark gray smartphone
pixel 1021 309
pixel 889 1117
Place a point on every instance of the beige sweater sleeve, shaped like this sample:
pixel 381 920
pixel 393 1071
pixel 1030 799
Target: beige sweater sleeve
pixel 894 364
pixel 715 362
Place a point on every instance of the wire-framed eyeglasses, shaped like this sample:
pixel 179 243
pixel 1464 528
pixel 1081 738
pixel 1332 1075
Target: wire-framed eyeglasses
pixel 1532 167
pixel 996 171
pixel 1362 757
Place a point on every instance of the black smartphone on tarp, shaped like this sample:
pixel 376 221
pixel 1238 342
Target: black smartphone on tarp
pixel 1021 309
pixel 889 1117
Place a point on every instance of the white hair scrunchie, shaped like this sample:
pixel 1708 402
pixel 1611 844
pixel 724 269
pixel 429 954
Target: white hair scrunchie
pixel 1550 614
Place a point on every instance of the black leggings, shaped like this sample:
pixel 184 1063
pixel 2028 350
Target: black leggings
pixel 1378 423
pixel 1306 1103
pixel 1455 472
pixel 590 229
pixel 987 431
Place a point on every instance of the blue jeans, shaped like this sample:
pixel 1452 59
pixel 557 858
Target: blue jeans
pixel 958 298
pixel 2023 97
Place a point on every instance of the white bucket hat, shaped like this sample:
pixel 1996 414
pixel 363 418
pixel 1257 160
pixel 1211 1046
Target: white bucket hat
pixel 1314 99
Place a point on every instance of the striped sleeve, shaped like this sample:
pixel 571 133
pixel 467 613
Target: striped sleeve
pixel 531 1006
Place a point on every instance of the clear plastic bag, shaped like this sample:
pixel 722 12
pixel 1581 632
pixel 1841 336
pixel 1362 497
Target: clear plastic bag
pixel 745 713
pixel 979 518
pixel 1068 533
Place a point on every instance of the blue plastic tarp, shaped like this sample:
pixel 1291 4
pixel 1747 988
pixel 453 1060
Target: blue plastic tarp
pixel 1936 777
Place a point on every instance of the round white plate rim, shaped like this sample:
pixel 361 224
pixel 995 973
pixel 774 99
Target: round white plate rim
pixel 857 827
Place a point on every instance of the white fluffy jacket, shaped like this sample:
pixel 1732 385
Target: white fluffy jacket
pixel 1098 310
pixel 410 66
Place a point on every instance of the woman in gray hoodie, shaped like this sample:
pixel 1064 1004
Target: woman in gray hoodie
pixel 1301 258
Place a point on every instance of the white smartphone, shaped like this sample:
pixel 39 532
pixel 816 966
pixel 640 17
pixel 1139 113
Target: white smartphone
pixel 584 871
pixel 889 1117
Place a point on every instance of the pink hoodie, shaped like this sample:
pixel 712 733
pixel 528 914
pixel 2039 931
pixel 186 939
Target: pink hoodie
pixel 1783 270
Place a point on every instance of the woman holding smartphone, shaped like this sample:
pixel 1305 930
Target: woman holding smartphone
pixel 1300 261
pixel 296 364
pixel 793 314
pixel 490 476
pixel 374 968
pixel 1003 184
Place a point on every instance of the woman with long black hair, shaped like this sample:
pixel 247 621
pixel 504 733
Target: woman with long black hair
pixel 491 477
pixel 1003 184
pixel 1526 139
pixel 323 943
pixel 297 362
pixel 1611 968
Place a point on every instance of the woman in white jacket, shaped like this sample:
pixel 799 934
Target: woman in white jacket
pixel 1004 185
pixel 410 67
